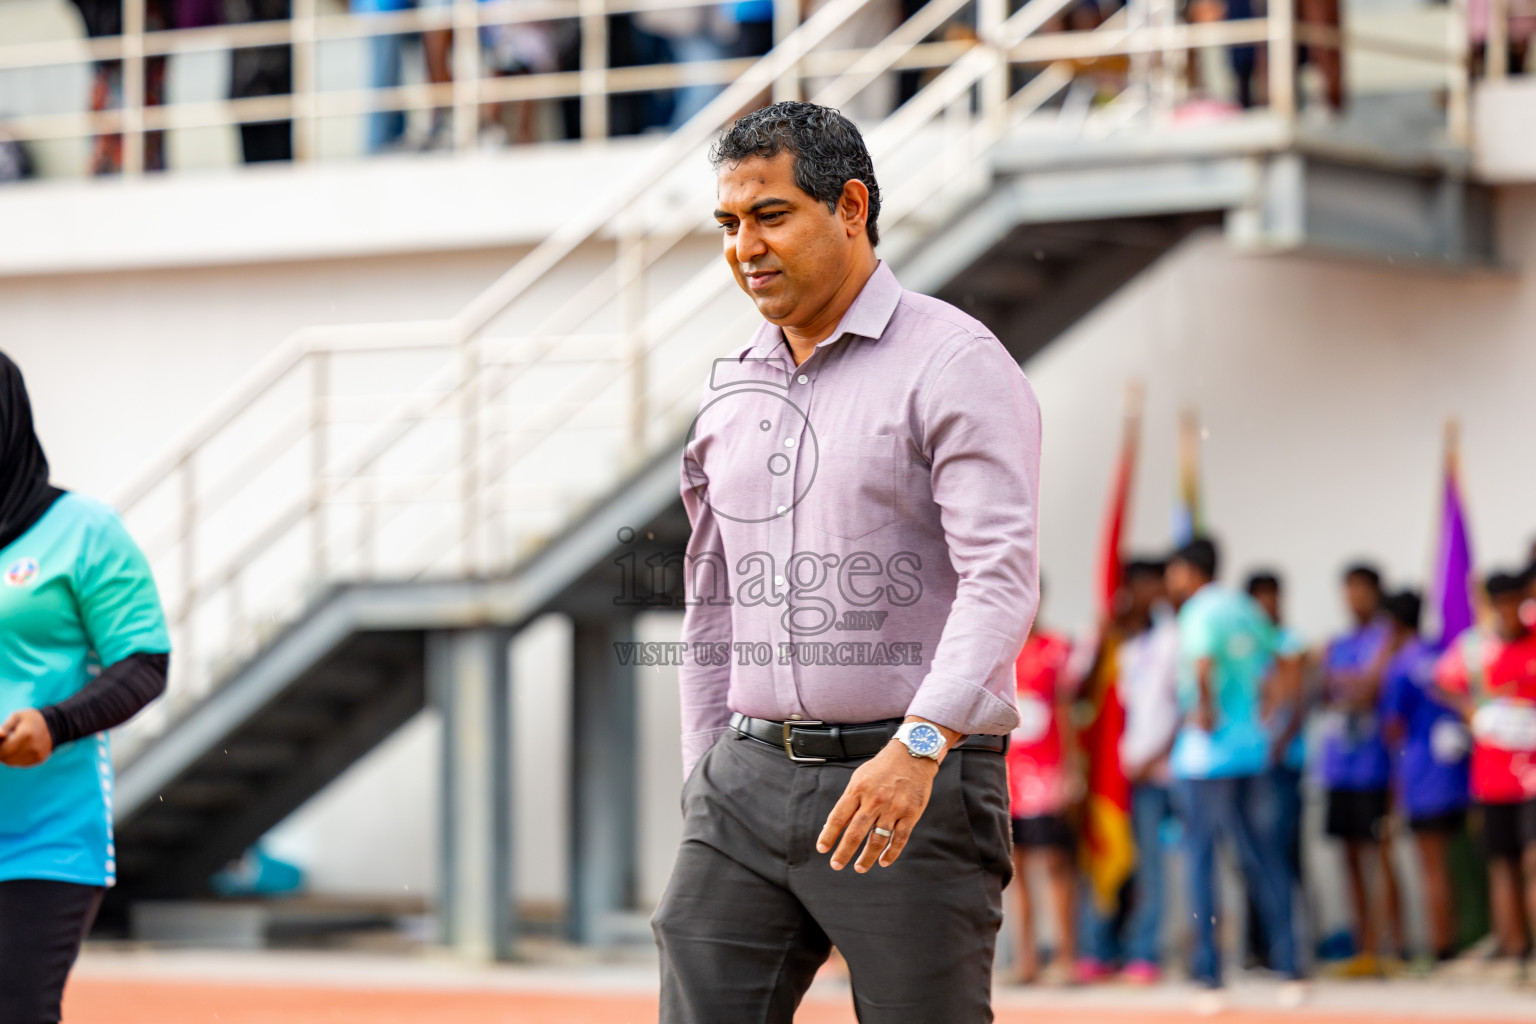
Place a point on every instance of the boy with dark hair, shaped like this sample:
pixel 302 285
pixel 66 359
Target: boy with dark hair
pixel 1226 649
pixel 1355 769
pixel 1430 773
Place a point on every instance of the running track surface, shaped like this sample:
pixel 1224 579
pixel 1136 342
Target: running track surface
pixel 116 1001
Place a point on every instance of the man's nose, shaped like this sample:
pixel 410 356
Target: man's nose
pixel 749 244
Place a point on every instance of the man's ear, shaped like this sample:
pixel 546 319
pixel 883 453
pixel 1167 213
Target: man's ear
pixel 853 207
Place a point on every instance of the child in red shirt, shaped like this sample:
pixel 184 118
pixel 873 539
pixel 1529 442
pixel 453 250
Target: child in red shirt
pixel 1039 794
pixel 1490 677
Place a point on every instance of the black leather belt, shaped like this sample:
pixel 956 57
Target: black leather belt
pixel 817 741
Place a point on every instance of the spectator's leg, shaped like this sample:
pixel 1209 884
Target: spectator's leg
pixel 1201 805
pixel 1149 809
pixel 1242 58
pixel 1252 820
pixel 385 127
pixel 1062 872
pixel 437 46
pixel 1026 954
pixel 1328 58
pixel 1388 892
pixel 691 99
pixel 154 96
pixel 1437 892
pixel 1359 902
pixel 1505 905
pixel 1100 943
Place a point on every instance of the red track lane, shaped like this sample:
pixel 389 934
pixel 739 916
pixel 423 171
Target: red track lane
pixel 100 1001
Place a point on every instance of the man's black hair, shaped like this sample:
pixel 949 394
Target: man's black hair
pixel 1143 568
pixel 1262 580
pixel 1502 584
pixel 1201 554
pixel 1405 607
pixel 829 151
pixel 1366 572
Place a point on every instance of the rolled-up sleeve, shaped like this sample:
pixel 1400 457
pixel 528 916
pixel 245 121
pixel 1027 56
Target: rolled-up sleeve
pixel 981 435
pixel 703 681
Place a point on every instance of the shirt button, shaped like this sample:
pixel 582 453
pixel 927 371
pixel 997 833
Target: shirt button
pixel 778 581
pixel 782 510
pixel 803 379
pixel 789 442
pixel 795 717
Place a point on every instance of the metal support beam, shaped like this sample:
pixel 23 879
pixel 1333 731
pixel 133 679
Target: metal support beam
pixel 468 679
pixel 604 778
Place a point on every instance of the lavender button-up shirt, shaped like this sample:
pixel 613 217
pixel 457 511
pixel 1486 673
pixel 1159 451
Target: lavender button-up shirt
pixel 864 537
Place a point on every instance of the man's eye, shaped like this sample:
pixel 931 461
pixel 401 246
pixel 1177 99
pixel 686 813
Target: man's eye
pixel 770 217
pixel 729 227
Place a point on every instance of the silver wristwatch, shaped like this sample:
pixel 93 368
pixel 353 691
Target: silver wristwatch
pixel 921 739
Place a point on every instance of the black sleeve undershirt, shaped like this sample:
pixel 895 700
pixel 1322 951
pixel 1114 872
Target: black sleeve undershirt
pixel 116 695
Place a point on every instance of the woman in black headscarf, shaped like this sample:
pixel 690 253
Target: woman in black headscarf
pixel 75 594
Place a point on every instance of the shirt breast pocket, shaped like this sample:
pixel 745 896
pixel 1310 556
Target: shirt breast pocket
pixel 855 489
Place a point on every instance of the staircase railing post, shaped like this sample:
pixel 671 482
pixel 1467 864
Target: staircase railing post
pixel 786 18
pixel 318 456
pixel 1496 50
pixel 990 15
pixel 1459 72
pixel 469 398
pixel 133 87
pixel 305 123
pixel 186 652
pixel 1282 59
pixel 631 260
pixel 594 69
pixel 466 73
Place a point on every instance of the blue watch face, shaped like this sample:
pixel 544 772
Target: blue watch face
pixel 924 739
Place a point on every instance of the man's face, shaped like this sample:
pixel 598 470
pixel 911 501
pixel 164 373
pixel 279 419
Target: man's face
pixel 1363 599
pixel 1506 612
pixel 788 251
pixel 1269 600
pixel 1146 591
pixel 1183 580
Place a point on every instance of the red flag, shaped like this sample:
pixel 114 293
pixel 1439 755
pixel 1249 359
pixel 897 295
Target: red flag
pixel 1108 850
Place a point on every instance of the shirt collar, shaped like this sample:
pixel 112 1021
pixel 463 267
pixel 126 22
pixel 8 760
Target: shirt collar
pixel 868 316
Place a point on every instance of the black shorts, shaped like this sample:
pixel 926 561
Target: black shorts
pixel 1356 815
pixel 1446 823
pixel 1507 829
pixel 1048 831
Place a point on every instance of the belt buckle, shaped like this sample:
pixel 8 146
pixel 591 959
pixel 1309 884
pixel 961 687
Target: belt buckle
pixel 789 747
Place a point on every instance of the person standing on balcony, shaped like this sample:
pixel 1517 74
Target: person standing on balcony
pixel 76 594
pixel 861 575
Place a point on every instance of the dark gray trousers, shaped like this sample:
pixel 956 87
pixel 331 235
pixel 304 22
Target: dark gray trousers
pixel 752 910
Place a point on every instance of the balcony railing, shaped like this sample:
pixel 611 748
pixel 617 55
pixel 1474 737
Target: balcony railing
pixel 1156 50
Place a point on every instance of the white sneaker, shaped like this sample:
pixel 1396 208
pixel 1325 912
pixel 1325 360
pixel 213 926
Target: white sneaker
pixel 1209 1003
pixel 1292 995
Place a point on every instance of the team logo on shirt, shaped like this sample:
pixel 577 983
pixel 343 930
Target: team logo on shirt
pixel 22 573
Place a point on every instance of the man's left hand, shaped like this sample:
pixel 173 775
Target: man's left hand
pixel 888 791
pixel 25 740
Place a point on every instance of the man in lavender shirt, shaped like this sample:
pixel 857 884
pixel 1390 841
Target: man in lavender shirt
pixel 861 481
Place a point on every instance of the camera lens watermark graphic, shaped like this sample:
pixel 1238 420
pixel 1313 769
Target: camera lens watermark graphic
pixel 766 439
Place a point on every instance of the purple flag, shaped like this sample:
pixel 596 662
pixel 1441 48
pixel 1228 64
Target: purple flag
pixel 1453 568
